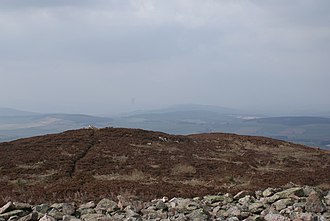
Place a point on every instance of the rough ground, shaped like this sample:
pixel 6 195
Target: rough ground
pixel 90 164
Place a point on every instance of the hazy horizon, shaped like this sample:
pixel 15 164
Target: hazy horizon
pixel 111 56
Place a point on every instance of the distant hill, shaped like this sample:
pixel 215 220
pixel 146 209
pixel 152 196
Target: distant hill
pixel 187 119
pixel 7 112
pixel 293 121
pixel 16 124
pixel 92 163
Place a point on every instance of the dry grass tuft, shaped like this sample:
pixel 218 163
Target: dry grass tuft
pixel 180 169
pixel 136 175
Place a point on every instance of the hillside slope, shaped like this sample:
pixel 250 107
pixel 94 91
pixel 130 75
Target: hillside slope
pixel 94 163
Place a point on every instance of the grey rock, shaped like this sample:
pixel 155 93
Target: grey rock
pixel 314 203
pixel 130 212
pixel 106 205
pixel 161 205
pixel 70 218
pixel 31 217
pixel 258 194
pixel 198 214
pixel 246 200
pixel 86 211
pixel 94 217
pixel 295 191
pixel 256 207
pixel 217 198
pixel 254 218
pixel 268 192
pixel 233 219
pixel 276 217
pixel 241 194
pixel 88 205
pixel 56 213
pixel 9 214
pixel 42 208
pixel 282 204
pixel 22 206
pixel 47 218
pixel 68 208
pixel 234 211
pixel 7 207
pixel 303 217
pixel 327 199
pixel 13 218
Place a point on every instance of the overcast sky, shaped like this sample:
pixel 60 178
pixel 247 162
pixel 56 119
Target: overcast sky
pixel 107 56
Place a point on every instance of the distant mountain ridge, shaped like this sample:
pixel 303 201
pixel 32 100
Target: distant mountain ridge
pixel 177 119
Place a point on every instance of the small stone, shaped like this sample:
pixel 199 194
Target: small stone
pixel 314 203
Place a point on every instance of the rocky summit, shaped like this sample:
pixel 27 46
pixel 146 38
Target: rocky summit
pixel 91 164
pixel 297 203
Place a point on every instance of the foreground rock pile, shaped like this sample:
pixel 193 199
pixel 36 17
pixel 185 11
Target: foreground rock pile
pixel 280 204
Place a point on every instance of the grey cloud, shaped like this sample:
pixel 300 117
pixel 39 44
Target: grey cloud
pixel 230 53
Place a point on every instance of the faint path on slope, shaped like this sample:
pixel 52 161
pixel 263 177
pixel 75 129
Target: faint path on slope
pixel 80 156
